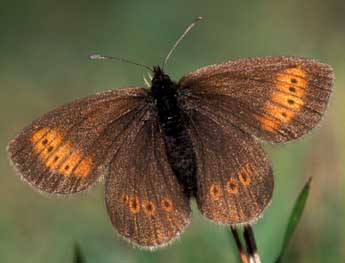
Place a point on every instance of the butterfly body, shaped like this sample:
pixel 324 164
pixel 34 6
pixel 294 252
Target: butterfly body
pixel 178 144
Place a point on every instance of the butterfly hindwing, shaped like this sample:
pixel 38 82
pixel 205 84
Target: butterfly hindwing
pixel 145 202
pixel 234 177
pixel 65 150
pixel 274 98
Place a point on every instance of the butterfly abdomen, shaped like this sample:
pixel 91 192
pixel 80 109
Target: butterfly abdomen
pixel 178 144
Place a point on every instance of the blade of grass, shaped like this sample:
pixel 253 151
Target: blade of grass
pixel 78 256
pixel 294 218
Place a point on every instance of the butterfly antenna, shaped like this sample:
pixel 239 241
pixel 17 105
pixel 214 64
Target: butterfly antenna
pixel 189 28
pixel 101 57
pixel 147 83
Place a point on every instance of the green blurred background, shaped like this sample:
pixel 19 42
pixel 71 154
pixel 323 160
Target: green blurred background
pixel 44 63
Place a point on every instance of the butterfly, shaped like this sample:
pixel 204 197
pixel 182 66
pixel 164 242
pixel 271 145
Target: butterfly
pixel 160 147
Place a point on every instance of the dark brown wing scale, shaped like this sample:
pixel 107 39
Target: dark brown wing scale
pixel 145 201
pixel 274 98
pixel 66 150
pixel 234 178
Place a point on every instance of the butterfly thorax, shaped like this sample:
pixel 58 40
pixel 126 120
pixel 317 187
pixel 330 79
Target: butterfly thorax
pixel 164 92
pixel 179 147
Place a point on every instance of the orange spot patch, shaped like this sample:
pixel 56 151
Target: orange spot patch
pixel 45 141
pixel 293 76
pixel 297 71
pixel 149 208
pixel 83 167
pixel 245 173
pixel 232 186
pixel 281 114
pixel 286 100
pixel 215 191
pixel 58 155
pixel 267 123
pixel 167 204
pixel 134 204
pixel 74 165
pixel 291 85
pixel 291 88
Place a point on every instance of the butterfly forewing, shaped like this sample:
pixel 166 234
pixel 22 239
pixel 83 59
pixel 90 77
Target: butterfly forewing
pixel 145 202
pixel 66 150
pixel 234 177
pixel 274 98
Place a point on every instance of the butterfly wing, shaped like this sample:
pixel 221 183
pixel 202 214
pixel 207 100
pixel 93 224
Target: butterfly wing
pixel 66 150
pixel 145 202
pixel 274 98
pixel 234 178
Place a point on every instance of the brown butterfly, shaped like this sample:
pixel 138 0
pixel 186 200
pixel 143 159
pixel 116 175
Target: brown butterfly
pixel 160 147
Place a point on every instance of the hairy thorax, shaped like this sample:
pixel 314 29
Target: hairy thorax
pixel 179 146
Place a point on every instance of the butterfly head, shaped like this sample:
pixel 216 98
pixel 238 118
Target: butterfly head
pixel 159 77
pixel 161 83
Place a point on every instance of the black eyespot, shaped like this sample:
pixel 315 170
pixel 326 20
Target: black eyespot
pixel 292 89
pixel 149 207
